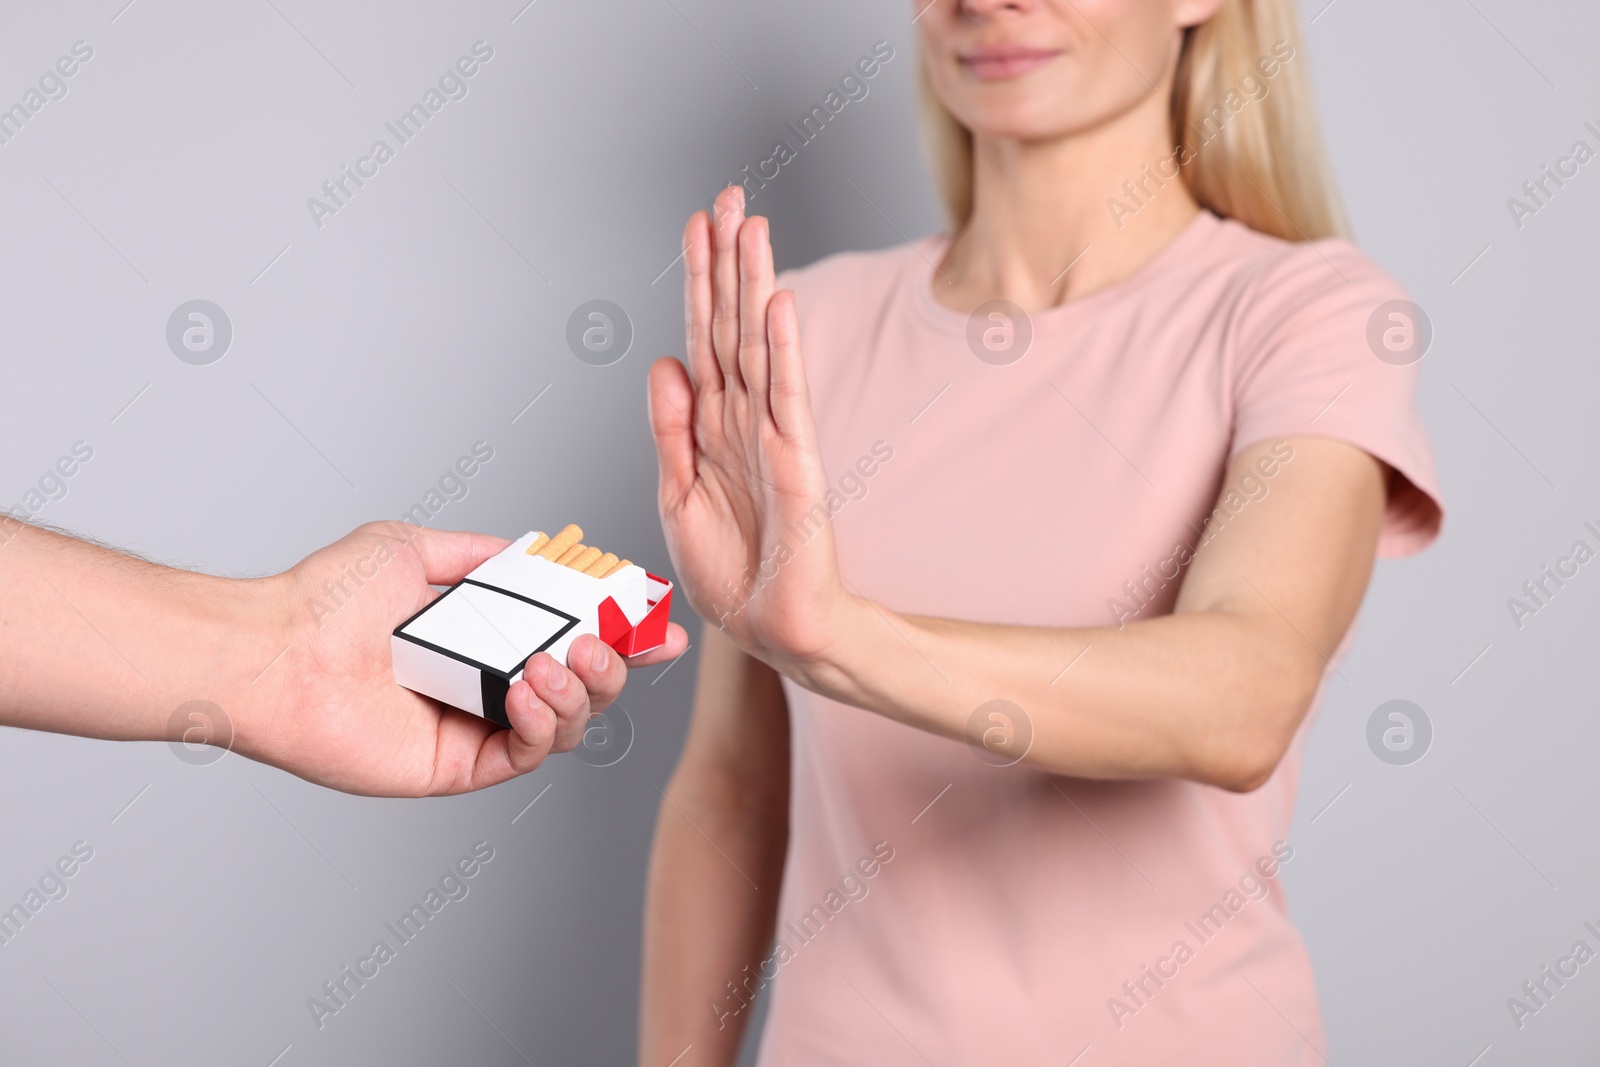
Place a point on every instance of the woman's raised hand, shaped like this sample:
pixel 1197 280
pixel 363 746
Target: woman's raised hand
pixel 742 483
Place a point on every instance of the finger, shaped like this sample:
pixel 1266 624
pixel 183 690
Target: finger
pixel 672 423
pixel 599 668
pixel 676 644
pixel 702 356
pixel 755 292
pixel 534 725
pixel 450 555
pixel 473 753
pixel 564 693
pixel 790 396
pixel 725 282
pixel 507 753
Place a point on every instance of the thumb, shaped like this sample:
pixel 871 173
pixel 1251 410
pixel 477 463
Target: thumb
pixel 449 555
pixel 672 423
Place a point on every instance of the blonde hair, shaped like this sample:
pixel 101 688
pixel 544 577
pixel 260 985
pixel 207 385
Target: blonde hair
pixel 1264 165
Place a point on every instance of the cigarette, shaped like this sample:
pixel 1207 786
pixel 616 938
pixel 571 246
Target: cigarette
pixel 585 559
pixel 539 541
pixel 621 563
pixel 600 566
pixel 560 543
pixel 566 558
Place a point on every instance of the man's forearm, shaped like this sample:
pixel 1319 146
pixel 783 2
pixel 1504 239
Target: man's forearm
pixel 709 915
pixel 90 638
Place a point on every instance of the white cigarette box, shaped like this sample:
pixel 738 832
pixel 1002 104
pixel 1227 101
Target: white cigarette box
pixel 467 647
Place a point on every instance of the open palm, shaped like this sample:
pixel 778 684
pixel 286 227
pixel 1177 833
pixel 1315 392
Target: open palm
pixel 741 478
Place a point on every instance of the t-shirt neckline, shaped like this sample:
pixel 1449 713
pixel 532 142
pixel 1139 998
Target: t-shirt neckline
pixel 922 278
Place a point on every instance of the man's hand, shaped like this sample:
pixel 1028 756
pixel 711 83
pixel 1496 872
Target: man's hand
pixel 99 644
pixel 329 710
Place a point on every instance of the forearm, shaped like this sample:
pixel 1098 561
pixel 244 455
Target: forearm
pixel 1207 695
pixel 710 912
pixel 88 638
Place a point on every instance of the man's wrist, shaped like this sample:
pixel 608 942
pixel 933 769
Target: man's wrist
pixel 261 614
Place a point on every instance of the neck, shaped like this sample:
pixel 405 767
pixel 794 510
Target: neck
pixel 1042 229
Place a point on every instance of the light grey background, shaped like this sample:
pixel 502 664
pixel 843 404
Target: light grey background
pixel 427 314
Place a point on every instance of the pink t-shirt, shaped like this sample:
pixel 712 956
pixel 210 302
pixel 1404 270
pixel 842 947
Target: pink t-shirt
pixel 937 909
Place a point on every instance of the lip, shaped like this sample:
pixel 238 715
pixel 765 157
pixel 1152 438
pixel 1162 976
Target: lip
pixel 999 62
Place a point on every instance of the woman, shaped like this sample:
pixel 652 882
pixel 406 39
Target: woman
pixel 998 765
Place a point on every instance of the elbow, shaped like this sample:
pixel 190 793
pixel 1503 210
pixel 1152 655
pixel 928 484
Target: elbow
pixel 1250 770
pixel 1251 752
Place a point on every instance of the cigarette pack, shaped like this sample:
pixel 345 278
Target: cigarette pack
pixel 467 647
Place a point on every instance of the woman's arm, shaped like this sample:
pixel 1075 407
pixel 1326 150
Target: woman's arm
pixel 721 835
pixel 295 667
pixel 1213 692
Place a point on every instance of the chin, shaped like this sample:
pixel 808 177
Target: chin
pixel 1013 120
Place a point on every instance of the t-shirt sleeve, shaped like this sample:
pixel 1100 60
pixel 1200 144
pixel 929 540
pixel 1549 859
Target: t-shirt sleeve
pixel 1305 367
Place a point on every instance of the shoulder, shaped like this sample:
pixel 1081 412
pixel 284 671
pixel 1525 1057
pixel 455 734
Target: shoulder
pixel 1325 344
pixel 1282 285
